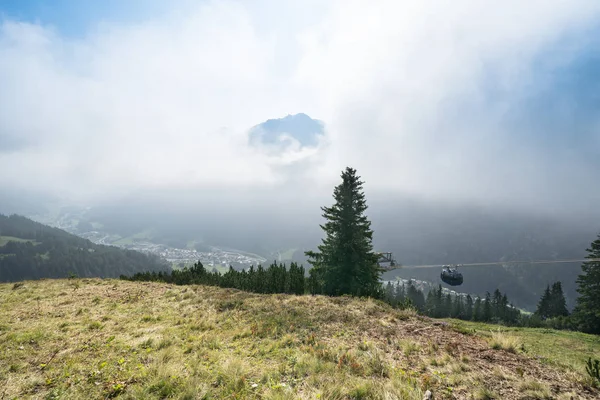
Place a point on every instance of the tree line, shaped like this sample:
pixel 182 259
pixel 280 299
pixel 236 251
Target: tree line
pixel 437 304
pixel 276 278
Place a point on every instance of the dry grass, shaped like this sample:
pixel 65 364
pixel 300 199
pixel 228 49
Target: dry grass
pixel 503 341
pixel 92 338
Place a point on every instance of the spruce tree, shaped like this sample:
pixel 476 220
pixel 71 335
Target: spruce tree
pixel 469 307
pixel 543 308
pixel 400 294
pixel 477 310
pixel 416 297
pixel 345 262
pixel 558 304
pixel 587 310
pixel 487 308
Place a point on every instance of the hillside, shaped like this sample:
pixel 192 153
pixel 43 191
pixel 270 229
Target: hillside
pixel 151 341
pixel 30 250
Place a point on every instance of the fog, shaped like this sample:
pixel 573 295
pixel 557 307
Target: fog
pixel 460 105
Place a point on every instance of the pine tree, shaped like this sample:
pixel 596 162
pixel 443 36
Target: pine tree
pixel 457 307
pixel 447 306
pixel 558 304
pixel 389 294
pixel 469 308
pixel 345 262
pixel 543 308
pixel 497 305
pixel 400 294
pixel 477 310
pixel 587 310
pixel 487 308
pixel 430 309
pixel 416 296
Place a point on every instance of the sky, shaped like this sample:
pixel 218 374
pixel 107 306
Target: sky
pixel 489 103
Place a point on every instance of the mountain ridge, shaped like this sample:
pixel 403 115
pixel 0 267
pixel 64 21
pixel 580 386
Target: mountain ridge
pixel 31 250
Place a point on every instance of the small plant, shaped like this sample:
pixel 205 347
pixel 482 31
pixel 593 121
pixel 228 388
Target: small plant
pixel 592 367
pixel 502 341
pixel 95 325
pixel 484 393
pixel 534 389
pixel 520 371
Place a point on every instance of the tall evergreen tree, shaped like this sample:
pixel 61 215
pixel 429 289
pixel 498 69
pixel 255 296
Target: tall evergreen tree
pixel 558 303
pixel 587 310
pixel 487 308
pixel 345 262
pixel 416 296
pixel 469 308
pixel 477 310
pixel 543 308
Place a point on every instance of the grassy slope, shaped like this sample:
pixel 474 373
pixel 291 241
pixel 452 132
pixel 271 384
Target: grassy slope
pixel 92 338
pixel 563 349
pixel 6 239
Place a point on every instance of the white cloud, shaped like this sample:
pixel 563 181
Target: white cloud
pixel 167 102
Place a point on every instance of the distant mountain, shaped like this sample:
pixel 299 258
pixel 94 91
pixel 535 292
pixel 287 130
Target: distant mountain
pixel 300 127
pixel 30 250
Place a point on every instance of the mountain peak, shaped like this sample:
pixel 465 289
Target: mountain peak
pixel 300 127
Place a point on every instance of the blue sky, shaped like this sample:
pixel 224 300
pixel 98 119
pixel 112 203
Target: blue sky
pixel 76 17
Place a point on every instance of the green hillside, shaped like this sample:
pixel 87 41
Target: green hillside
pixel 30 250
pixel 134 340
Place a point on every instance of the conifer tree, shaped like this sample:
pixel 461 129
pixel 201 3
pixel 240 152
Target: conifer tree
pixel 469 308
pixel 345 262
pixel 543 308
pixel 487 308
pixel 477 310
pixel 389 294
pixel 587 310
pixel 416 297
pixel 458 307
pixel 400 294
pixel 447 306
pixel 558 303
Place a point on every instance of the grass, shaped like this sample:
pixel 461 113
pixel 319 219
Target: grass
pixel 501 340
pixel 93 338
pixel 564 349
pixel 5 239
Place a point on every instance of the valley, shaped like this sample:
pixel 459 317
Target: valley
pixel 216 257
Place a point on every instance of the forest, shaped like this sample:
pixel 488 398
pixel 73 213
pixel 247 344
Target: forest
pixel 30 250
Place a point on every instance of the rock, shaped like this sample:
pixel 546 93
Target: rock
pixel 428 395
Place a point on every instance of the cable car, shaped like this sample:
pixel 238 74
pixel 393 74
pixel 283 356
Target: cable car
pixel 451 276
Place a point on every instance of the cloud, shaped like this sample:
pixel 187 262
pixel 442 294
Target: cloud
pixel 425 98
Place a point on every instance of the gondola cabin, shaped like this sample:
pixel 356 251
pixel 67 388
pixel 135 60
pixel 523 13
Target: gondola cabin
pixel 451 276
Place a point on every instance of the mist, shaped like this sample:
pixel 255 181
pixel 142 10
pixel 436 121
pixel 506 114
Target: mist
pixel 470 125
